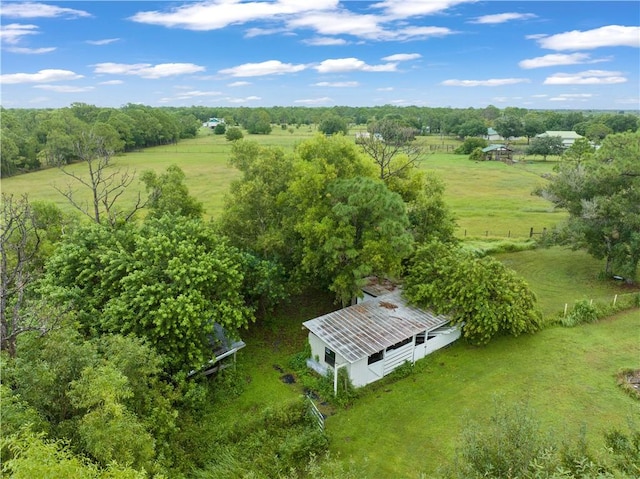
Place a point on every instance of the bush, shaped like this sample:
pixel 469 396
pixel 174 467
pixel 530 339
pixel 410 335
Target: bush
pixel 470 144
pixel 583 312
pixel 505 448
pixel 219 129
pixel 477 154
pixel 234 133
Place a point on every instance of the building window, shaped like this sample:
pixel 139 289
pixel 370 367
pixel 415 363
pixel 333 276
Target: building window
pixel 431 335
pixel 400 344
pixel 329 357
pixel 420 337
pixel 375 357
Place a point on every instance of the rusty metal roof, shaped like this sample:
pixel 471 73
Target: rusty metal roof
pixel 361 330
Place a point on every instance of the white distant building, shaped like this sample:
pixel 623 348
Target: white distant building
pixel 568 137
pixel 213 122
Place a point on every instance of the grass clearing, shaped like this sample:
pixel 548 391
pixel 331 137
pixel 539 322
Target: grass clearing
pixel 568 376
pixel 488 198
pixel 560 276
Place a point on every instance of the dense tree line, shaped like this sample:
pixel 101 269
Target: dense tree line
pixel 33 138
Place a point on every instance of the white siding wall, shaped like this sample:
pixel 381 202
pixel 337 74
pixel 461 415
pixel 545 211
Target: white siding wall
pixel 362 373
pixel 397 357
pixel 441 340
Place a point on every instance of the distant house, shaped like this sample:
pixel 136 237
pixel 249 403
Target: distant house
pixel 568 137
pixel 373 338
pixel 363 136
pixel 213 122
pixel 498 152
pixel 492 135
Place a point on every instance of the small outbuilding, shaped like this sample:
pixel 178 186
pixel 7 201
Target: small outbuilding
pixel 223 348
pixel 498 152
pixel 373 338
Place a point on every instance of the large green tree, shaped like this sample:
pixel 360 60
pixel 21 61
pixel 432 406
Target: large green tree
pixel 545 146
pixel 602 196
pixel 481 295
pixel 169 195
pixel 168 281
pixel 361 230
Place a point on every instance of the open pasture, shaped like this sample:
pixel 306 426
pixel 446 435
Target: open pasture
pixel 487 198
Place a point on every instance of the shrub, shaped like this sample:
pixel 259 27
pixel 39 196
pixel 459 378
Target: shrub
pixel 219 129
pixel 477 154
pixel 505 448
pixel 583 312
pixel 470 144
pixel 234 133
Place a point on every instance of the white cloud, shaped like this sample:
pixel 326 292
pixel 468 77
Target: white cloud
pixel 491 82
pixel 540 96
pixel 324 41
pixel 502 18
pixel 257 32
pixel 217 14
pixel 402 57
pixel 339 65
pixel 146 70
pixel 340 22
pixel 635 101
pixel 314 101
pixel 337 84
pixel 412 8
pixel 589 77
pixel 269 67
pixel 243 100
pixel 39 10
pixel 111 82
pixel 239 83
pixel 64 88
pixel 14 32
pixel 43 76
pixel 414 33
pixel 556 59
pixel 106 41
pixel 576 95
pixel 387 88
pixel 196 93
pixel 607 36
pixel 326 17
pixel 30 51
pixel 370 27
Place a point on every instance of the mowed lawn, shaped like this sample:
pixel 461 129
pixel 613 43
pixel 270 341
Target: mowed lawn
pixel 566 375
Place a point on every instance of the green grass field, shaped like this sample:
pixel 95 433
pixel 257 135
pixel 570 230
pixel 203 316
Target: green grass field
pixel 488 198
pixel 566 375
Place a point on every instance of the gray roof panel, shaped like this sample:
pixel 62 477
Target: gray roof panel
pixel 363 329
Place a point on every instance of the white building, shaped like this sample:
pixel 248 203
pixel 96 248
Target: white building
pixel 373 338
pixel 213 122
pixel 568 137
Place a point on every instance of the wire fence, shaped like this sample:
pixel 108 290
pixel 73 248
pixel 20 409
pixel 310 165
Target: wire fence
pixel 515 233
pixel 616 302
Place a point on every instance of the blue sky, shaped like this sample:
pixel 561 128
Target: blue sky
pixel 436 53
